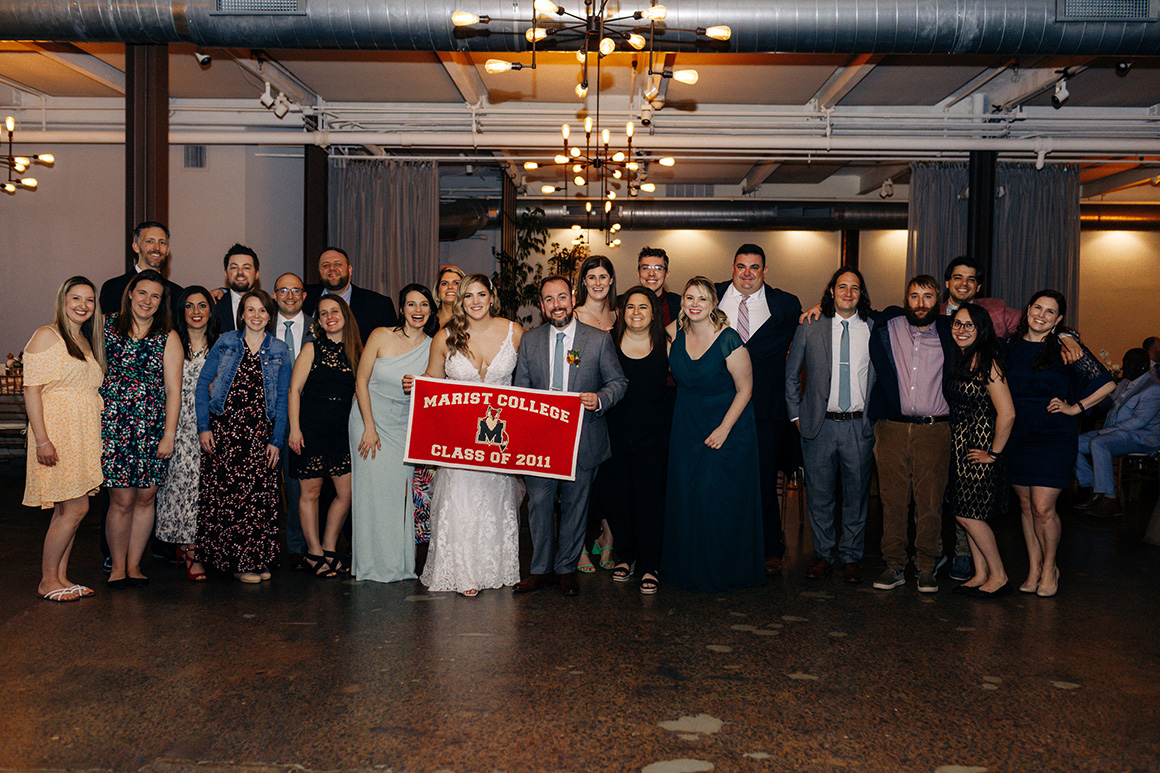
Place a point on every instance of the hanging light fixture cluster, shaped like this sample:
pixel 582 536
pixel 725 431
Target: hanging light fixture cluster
pixel 19 164
pixel 597 162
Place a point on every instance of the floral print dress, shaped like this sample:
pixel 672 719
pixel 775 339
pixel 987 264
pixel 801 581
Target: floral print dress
pixel 133 417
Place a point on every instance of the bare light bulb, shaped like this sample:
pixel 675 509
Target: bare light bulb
pixel 548 189
pixel 636 41
pixel 628 130
pixel 579 180
pixel 588 206
pixel 577 168
pixel 618 156
pixel 494 66
pixel 529 165
pixel 581 55
pixel 632 166
pixel 561 159
pixel 575 152
pixel 686 76
pixel 581 90
pixel 616 242
pixel 616 174
pixel 45 158
pixel 575 226
pixel 607 46
pixel 655 13
pixel 546 6
pixel 607 207
pixel 719 32
pixel 535 33
pixel 588 125
pixel 648 187
pixel 28 182
pixel 605 136
pixel 667 161
pixel 464 19
pixel 10 124
pixel 565 130
pixel 612 194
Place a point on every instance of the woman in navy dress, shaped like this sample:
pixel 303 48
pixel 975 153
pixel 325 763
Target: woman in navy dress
pixel 1049 396
pixel 713 528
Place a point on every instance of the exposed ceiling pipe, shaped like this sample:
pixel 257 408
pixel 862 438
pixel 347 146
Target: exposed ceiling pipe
pixel 461 218
pixel 790 26
pixel 680 142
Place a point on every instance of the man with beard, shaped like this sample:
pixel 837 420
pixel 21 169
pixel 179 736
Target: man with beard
pixel 912 434
pixel 370 309
pixel 151 243
pixel 565 355
pixel 241 266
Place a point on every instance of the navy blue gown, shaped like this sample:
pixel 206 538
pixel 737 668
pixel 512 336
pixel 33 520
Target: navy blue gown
pixel 1043 446
pixel 713 527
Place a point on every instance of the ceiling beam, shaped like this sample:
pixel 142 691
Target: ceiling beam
pixel 1115 182
pixel 279 76
pixel 844 80
pixel 461 68
pixel 82 63
pixel 872 179
pixel 756 176
pixel 1026 83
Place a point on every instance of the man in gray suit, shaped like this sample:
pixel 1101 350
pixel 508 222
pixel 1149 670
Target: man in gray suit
pixel 567 356
pixel 294 327
pixel 830 414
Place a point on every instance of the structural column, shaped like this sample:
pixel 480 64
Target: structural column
pixel 981 213
pixel 146 136
pixel 316 204
pixel 850 241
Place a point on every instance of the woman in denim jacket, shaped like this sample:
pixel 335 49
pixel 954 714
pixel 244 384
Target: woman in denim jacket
pixel 241 424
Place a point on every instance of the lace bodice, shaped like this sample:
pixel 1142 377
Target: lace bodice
pixel 459 368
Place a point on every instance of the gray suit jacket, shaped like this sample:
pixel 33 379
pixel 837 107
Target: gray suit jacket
pixel 597 371
pixel 813 347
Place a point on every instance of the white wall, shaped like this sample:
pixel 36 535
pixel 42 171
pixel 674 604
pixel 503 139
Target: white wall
pixel 74 223
pixel 1119 289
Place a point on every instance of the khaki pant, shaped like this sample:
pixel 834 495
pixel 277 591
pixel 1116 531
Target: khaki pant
pixel 913 460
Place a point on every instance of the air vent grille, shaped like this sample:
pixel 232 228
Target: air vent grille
pixel 195 156
pixel 1108 10
pixel 261 6
pixel 689 191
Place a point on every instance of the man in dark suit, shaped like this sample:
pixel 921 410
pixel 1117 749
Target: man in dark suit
pixel 652 268
pixel 912 434
pixel 830 413
pixel 151 244
pixel 295 328
pixel 766 319
pixel 566 355
pixel 241 266
pixel 370 309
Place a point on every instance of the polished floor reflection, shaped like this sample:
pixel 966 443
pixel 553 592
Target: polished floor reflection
pixel 300 674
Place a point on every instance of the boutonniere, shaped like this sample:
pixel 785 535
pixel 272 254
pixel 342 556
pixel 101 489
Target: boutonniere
pixel 573 356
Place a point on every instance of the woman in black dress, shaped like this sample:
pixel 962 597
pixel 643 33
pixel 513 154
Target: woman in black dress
pixel 981 417
pixel 638 430
pixel 241 423
pixel 321 393
pixel 1049 396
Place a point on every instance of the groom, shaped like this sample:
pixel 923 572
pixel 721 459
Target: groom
pixel 567 356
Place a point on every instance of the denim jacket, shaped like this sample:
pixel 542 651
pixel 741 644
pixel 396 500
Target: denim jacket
pixel 218 373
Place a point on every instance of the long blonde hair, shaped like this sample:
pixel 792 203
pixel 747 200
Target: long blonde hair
pixel 719 318
pixel 439 278
pixel 93 328
pixel 457 335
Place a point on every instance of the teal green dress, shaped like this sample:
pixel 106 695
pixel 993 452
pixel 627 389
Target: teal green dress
pixel 713 532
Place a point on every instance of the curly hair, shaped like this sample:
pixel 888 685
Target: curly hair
pixel 863 308
pixel 458 338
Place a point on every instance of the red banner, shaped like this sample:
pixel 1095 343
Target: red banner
pixel 497 429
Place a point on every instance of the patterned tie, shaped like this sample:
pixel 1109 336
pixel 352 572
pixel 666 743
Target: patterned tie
pixel 844 369
pixel 289 335
pixel 558 364
pixel 743 318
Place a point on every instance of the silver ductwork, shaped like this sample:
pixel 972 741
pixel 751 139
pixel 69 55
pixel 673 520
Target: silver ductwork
pixel 461 218
pixel 1101 27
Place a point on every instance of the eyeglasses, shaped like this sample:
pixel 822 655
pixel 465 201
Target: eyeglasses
pixel 644 267
pixel 295 291
pixel 957 325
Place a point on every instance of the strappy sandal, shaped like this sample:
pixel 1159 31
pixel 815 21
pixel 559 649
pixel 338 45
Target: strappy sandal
pixel 334 563
pixel 622 573
pixel 588 568
pixel 318 565
pixel 61 595
pixel 648 585
pixel 606 561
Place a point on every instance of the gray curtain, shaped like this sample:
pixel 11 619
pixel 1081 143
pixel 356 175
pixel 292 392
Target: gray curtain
pixel 385 214
pixel 1036 241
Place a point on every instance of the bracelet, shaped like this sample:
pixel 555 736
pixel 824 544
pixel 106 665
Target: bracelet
pixel 994 454
pixel 42 445
pixel 1082 409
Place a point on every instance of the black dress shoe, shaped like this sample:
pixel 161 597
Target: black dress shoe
pixel 534 582
pixel 137 582
pixel 979 593
pixel 120 584
pixel 568 585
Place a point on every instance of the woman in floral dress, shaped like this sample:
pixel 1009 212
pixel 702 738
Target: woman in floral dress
pixel 197 328
pixel 142 394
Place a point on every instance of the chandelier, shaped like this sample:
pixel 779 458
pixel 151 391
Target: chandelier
pixel 18 164
pixel 600 34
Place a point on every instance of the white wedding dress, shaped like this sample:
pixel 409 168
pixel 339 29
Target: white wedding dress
pixel 475 515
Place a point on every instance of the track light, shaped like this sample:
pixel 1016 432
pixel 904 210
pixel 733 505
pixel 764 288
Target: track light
pixel 203 59
pixel 887 189
pixel 1061 93
pixel 1123 66
pixel 267 98
pixel 281 106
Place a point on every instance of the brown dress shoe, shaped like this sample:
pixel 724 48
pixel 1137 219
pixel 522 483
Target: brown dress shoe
pixel 534 582
pixel 773 565
pixel 851 573
pixel 1087 503
pixel 819 570
pixel 1105 508
pixel 568 584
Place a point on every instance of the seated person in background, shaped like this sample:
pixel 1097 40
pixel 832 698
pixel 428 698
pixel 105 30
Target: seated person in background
pixel 1132 427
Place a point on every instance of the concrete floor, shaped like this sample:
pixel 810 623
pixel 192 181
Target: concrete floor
pixel 306 675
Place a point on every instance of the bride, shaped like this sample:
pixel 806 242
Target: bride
pixel 474 515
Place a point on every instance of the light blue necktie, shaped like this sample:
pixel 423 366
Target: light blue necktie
pixel 558 364
pixel 289 337
pixel 844 369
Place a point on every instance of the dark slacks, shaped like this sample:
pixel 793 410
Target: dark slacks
pixel 770 436
pixel 636 511
pixel 549 552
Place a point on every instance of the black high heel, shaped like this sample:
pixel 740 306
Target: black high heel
pixel 334 563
